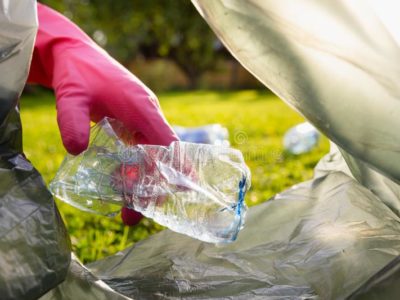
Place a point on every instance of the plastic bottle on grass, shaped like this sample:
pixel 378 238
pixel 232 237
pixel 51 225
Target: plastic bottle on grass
pixel 213 134
pixel 301 138
pixel 195 189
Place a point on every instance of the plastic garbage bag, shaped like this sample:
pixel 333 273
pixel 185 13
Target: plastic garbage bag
pixel 301 138
pixel 214 134
pixel 334 237
pixel 34 246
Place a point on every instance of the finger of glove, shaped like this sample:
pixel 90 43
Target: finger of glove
pixel 139 110
pixel 130 217
pixel 73 117
pixel 150 124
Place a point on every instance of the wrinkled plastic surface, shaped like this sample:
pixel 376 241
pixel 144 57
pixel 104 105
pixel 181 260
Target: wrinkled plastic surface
pixel 34 246
pixel 195 189
pixel 81 283
pixel 301 138
pixel 214 134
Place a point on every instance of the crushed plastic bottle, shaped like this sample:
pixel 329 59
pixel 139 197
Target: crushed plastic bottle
pixel 301 138
pixel 213 134
pixel 194 189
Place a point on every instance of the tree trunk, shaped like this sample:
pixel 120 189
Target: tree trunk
pixel 193 80
pixel 191 74
pixel 233 82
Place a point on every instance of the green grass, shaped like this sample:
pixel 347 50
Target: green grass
pixel 256 122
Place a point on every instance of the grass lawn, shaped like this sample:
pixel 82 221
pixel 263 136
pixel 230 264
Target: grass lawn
pixel 256 122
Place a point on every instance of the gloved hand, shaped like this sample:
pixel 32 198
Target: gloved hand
pixel 89 85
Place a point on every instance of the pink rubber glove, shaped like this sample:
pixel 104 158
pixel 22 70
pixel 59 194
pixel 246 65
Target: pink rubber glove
pixel 89 85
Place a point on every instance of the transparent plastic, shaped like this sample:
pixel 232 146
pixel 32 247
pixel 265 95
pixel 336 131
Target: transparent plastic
pixel 214 134
pixel 301 138
pixel 195 189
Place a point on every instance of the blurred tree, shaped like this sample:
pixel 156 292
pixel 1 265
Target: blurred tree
pixel 170 29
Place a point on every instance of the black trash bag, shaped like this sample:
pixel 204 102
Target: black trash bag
pixel 34 245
